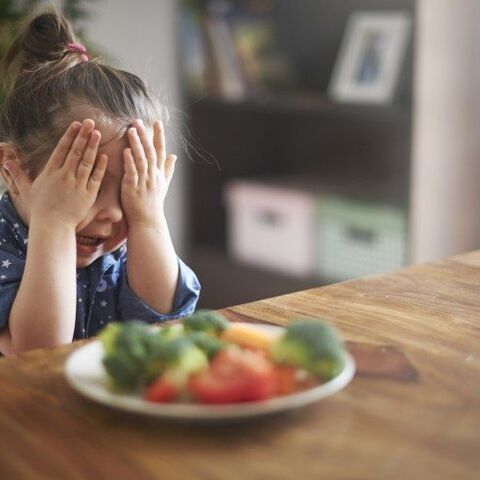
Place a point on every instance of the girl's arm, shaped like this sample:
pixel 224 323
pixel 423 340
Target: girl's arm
pixel 44 310
pixel 43 313
pixel 152 264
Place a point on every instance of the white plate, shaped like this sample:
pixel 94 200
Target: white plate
pixel 85 373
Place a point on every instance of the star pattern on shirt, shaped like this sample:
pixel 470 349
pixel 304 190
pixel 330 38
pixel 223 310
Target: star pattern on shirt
pixel 6 263
pixel 103 303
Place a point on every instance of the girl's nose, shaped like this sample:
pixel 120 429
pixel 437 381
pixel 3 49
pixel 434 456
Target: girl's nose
pixel 111 212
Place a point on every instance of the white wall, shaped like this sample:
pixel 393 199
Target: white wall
pixel 140 36
pixel 445 201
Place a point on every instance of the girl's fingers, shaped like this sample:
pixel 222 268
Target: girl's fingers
pixel 75 154
pixel 170 168
pixel 130 177
pixel 159 143
pixel 96 178
pixel 150 152
pixel 88 161
pixel 136 149
pixel 57 159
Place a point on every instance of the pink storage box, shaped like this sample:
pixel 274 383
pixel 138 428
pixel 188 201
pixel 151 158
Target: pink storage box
pixel 271 226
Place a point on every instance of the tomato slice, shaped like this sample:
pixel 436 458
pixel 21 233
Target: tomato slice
pixel 234 375
pixel 162 391
pixel 285 380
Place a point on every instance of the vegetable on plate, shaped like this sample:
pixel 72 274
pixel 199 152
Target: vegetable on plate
pixel 208 359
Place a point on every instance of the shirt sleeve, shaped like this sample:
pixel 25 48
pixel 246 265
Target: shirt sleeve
pixel 131 307
pixel 12 265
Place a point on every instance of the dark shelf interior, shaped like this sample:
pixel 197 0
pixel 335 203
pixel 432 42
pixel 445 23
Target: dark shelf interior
pixel 226 282
pixel 247 141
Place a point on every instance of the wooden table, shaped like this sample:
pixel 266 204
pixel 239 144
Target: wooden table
pixel 412 411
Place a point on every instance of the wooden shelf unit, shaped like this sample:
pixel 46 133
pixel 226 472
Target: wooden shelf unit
pixel 296 133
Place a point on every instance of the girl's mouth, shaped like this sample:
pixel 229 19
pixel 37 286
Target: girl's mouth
pixel 86 245
pixel 82 240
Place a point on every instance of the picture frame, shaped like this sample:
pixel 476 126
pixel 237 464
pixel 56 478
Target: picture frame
pixel 370 58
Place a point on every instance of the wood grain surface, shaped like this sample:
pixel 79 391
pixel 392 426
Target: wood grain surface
pixel 412 411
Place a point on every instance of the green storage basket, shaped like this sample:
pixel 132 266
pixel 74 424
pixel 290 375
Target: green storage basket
pixel 357 239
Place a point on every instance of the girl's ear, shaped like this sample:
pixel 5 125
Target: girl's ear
pixel 9 167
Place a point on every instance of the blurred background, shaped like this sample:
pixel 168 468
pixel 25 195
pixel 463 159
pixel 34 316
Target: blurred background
pixel 318 140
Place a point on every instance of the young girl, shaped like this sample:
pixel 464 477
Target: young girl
pixel 83 158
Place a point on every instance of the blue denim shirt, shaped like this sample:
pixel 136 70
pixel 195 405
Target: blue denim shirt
pixel 103 293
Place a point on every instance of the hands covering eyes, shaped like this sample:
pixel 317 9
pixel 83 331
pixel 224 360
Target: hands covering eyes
pixel 148 173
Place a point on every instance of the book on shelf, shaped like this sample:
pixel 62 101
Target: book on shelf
pixel 193 51
pixel 265 66
pixel 232 52
pixel 228 81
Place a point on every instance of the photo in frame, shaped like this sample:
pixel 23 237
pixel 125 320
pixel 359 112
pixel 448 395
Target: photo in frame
pixel 370 58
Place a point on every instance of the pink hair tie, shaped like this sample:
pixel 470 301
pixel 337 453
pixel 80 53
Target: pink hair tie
pixel 78 48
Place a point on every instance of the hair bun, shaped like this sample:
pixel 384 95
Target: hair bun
pixel 43 39
pixel 46 38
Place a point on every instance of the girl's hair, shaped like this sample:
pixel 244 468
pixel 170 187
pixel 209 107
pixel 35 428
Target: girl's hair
pixel 50 82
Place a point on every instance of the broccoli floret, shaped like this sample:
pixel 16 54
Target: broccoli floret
pixel 205 321
pixel 178 353
pixel 135 355
pixel 171 331
pixel 312 345
pixel 209 344
pixel 128 349
pixel 109 335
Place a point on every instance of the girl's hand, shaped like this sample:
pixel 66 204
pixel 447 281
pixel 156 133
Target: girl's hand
pixel 67 187
pixel 148 172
